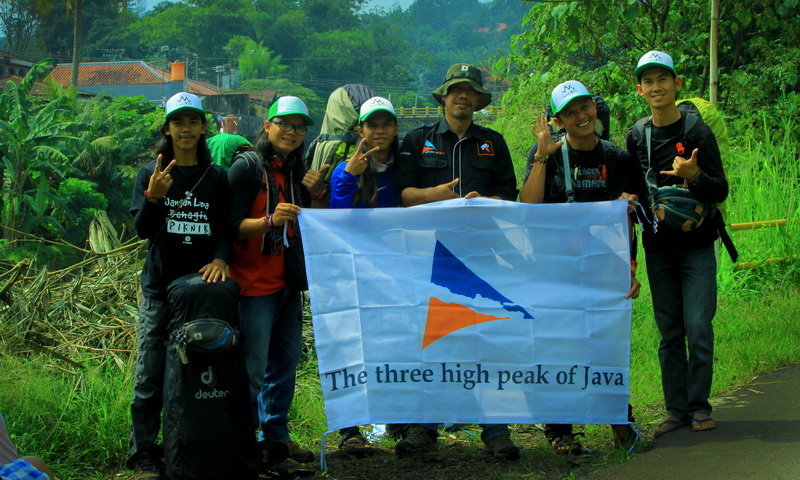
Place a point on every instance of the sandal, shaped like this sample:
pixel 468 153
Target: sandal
pixel 670 424
pixel 697 424
pixel 567 444
pixel 355 444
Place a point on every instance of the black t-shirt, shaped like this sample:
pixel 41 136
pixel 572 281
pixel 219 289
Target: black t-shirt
pixel 711 187
pixel 600 174
pixel 187 229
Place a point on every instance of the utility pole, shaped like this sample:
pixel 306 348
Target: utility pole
pixel 713 76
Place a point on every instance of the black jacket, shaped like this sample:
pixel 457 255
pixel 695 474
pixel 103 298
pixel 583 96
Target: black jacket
pixel 432 155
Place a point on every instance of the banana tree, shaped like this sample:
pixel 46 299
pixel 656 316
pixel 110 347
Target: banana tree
pixel 38 137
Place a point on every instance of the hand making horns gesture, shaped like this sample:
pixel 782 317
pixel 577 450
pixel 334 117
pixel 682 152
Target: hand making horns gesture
pixel 545 144
pixel 160 181
pixel 360 159
pixel 684 168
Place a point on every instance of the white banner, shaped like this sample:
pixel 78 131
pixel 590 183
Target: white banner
pixel 471 311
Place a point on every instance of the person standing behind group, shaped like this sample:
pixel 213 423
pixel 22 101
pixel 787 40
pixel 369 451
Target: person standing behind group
pixel 579 168
pixel 366 180
pixel 674 149
pixel 269 186
pixel 180 204
pixel 450 159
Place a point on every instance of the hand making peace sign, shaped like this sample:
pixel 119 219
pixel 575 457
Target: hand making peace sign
pixel 360 159
pixel 160 181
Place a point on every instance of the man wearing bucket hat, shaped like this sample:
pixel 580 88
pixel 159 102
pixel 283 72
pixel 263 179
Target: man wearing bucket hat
pixel 580 167
pixel 269 185
pixel 180 204
pixel 455 157
pixel 675 149
pixel 450 159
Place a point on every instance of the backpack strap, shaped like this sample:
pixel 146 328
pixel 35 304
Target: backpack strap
pixel 725 237
pixel 567 176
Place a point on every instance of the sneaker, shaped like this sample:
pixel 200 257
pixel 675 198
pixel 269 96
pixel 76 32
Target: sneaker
pixel 416 439
pixel 502 447
pixel 147 469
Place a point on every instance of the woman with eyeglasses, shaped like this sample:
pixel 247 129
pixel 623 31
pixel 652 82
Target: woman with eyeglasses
pixel 268 187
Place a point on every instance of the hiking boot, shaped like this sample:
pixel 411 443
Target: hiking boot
pixel 416 439
pixel 147 469
pixel 502 447
pixel 299 454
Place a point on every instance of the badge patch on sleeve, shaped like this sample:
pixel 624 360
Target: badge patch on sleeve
pixel 485 147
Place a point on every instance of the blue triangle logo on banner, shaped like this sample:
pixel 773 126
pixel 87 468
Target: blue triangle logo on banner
pixel 451 273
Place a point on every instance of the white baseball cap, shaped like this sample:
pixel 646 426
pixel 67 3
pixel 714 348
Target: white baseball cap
pixel 289 106
pixel 183 101
pixel 565 93
pixel 373 105
pixel 655 58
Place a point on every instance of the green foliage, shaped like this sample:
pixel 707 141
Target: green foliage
pixel 255 60
pixel 37 136
pixel 62 159
pixel 79 201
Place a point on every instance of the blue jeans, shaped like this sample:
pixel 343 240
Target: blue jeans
pixel 271 329
pixel 684 291
pixel 148 384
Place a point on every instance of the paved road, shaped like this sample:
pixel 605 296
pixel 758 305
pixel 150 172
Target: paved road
pixel 758 437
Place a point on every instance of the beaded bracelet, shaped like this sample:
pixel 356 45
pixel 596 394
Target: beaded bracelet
pixel 268 224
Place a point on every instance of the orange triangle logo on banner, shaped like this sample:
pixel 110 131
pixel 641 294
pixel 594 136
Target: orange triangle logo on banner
pixel 445 318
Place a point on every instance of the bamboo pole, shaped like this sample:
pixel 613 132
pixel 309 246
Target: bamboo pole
pixel 712 55
pixel 754 225
pixel 748 265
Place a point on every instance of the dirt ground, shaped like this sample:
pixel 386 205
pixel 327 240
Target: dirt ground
pixel 460 456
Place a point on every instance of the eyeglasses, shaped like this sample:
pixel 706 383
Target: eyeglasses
pixel 287 127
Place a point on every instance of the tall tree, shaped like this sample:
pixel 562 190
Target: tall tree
pixel 77 10
pixel 19 22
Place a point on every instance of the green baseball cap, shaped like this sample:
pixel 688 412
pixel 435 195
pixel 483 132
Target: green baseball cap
pixel 290 106
pixel 655 58
pixel 464 72
pixel 565 93
pixel 183 101
pixel 373 105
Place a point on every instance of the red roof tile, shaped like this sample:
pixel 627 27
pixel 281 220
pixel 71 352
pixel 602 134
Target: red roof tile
pixel 124 73
pixel 110 73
